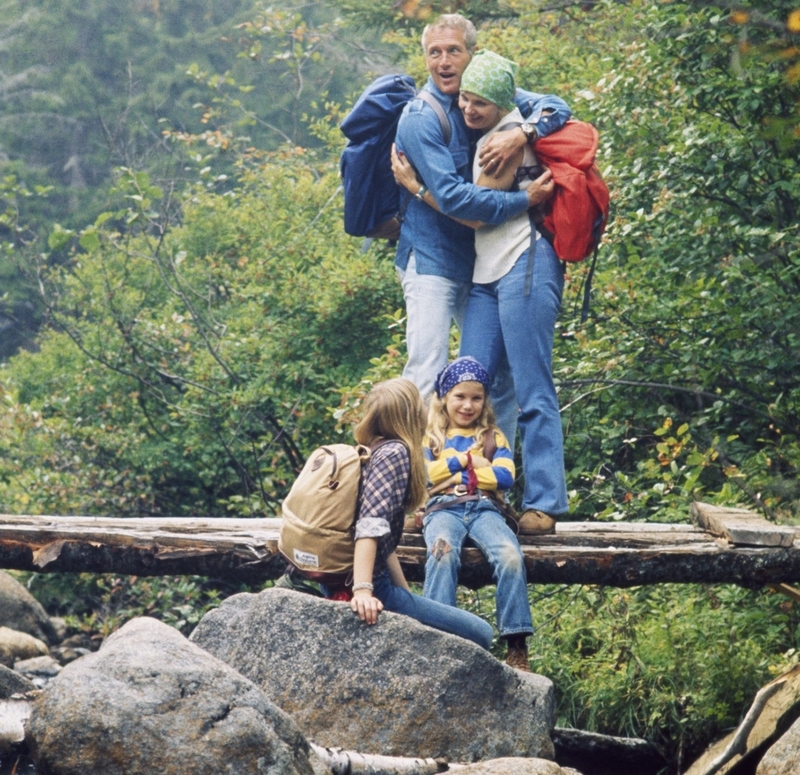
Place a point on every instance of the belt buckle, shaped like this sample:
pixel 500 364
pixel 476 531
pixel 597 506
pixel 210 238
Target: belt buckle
pixel 460 489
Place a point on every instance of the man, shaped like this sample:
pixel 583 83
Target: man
pixel 436 254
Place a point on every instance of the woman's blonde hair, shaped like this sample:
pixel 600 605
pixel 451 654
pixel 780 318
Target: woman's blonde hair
pixel 439 422
pixel 394 410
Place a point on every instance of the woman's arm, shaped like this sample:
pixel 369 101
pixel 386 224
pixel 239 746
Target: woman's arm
pixel 364 603
pixel 396 572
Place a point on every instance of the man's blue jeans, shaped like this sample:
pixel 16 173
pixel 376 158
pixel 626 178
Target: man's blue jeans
pixel 436 615
pixel 446 530
pixel 432 303
pixel 508 318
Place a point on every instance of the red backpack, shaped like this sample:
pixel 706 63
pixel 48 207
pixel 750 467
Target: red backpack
pixel 578 213
pixel 579 209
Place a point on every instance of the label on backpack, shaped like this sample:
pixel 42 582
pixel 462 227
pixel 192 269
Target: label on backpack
pixel 306 559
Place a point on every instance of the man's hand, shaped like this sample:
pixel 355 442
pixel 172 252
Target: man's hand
pixel 500 151
pixel 366 606
pixel 404 173
pixel 541 189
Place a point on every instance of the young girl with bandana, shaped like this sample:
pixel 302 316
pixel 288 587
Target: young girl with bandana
pixel 465 487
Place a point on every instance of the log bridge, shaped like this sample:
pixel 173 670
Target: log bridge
pixel 723 545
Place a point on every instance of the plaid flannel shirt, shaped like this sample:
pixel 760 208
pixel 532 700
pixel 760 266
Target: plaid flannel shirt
pixel 380 502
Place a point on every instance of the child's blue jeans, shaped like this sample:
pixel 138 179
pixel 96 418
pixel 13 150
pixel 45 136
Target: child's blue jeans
pixel 446 530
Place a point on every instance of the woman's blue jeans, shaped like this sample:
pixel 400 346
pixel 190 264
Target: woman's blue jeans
pixel 446 530
pixel 506 317
pixel 441 617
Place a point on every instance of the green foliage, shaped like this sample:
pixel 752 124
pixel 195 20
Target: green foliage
pixel 204 336
pixel 674 664
pixel 100 604
pixel 695 309
pixel 196 362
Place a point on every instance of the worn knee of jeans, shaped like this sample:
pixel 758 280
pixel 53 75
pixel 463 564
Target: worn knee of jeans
pixel 442 552
pixel 510 560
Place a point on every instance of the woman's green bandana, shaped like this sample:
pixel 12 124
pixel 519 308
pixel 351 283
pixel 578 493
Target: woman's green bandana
pixel 492 77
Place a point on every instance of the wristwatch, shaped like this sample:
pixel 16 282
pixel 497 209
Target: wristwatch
pixel 529 130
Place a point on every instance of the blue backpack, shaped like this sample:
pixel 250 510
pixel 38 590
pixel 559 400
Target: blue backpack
pixel 372 201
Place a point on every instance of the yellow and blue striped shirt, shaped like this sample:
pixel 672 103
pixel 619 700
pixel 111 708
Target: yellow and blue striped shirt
pixel 453 459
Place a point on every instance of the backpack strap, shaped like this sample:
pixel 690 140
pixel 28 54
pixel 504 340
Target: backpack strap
pixel 444 121
pixel 490 444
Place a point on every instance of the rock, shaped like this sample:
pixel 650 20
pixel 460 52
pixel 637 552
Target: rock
pixel 15 645
pixel 20 611
pixel 12 682
pixel 606 755
pixel 45 666
pixel 397 688
pixel 74 647
pixel 784 757
pixel 514 766
pixel 60 629
pixel 150 701
pixel 39 670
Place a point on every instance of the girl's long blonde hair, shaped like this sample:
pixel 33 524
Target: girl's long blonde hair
pixel 394 410
pixel 439 423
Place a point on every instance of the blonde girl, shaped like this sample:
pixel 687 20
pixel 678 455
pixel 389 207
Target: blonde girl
pixel 469 466
pixel 393 483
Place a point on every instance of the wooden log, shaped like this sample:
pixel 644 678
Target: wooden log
pixel 345 762
pixel 618 554
pixel 740 526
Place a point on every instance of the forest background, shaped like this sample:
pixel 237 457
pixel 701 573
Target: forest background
pixel 182 316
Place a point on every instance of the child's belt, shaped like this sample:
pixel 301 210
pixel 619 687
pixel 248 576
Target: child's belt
pixel 461 496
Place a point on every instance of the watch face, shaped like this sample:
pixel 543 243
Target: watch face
pixel 528 129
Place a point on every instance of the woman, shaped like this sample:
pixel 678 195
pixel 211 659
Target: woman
pixel 516 294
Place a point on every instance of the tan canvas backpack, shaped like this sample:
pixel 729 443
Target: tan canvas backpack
pixel 319 512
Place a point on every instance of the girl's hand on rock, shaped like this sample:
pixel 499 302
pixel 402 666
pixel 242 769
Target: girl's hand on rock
pixel 367 606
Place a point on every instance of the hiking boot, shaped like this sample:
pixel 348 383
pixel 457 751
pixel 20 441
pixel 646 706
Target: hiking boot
pixel 517 658
pixel 536 523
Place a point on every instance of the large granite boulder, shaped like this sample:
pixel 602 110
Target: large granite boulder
pixel 397 688
pixel 783 758
pixel 152 702
pixel 20 610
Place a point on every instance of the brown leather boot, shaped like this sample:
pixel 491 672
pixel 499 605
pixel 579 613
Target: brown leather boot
pixel 534 522
pixel 517 658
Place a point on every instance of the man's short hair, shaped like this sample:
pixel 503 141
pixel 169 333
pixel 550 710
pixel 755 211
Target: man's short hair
pixel 453 21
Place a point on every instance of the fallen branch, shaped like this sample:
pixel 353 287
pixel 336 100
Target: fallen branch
pixel 738 744
pixel 343 762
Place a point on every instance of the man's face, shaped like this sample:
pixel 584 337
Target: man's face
pixel 446 57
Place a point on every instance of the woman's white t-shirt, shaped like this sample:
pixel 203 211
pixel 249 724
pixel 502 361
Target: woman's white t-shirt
pixel 497 248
